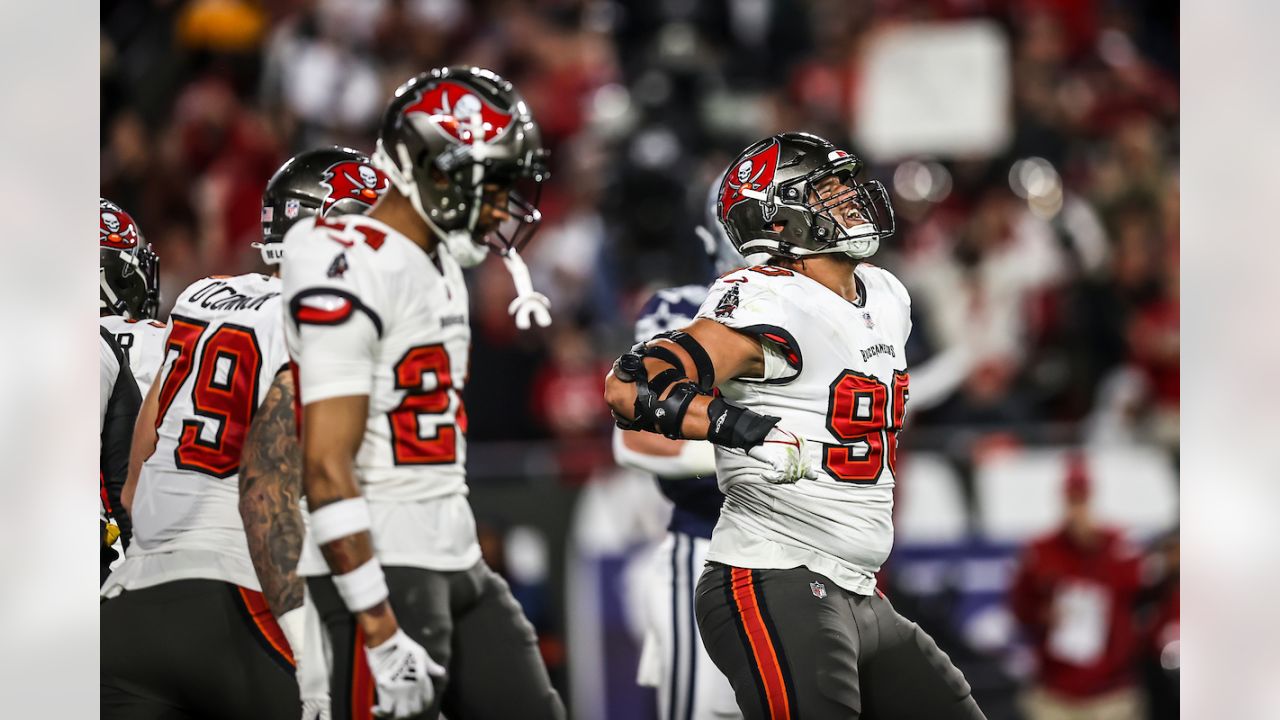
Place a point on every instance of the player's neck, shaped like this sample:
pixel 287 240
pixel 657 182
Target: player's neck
pixel 833 271
pixel 395 211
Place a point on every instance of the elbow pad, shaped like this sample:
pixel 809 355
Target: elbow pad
pixel 651 413
pixel 737 427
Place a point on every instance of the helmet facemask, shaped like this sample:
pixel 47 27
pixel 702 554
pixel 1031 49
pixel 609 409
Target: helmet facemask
pixel 852 216
pixel 795 194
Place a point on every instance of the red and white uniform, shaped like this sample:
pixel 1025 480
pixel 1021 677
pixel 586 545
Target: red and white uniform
pixel 835 373
pixel 371 313
pixel 223 348
pixel 143 344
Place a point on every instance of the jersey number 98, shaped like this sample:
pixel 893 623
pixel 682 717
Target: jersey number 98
pixel 861 417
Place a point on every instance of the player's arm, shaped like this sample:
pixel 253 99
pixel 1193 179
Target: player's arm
pixel 663 386
pixel 332 430
pixel 145 438
pixel 666 458
pixel 270 491
pixel 729 354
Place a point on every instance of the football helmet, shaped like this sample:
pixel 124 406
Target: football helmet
pixel 456 139
pixel 128 270
pixel 325 181
pixel 795 194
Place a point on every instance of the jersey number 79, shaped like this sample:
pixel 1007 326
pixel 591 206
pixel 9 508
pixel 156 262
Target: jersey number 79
pixel 225 392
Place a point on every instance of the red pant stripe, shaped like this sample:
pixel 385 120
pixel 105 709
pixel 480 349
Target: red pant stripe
pixel 766 658
pixel 363 695
pixel 266 623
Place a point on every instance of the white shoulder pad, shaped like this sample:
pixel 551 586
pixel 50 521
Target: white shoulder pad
pixel 328 277
pixel 753 301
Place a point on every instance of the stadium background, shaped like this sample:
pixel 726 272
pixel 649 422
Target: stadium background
pixel 1032 149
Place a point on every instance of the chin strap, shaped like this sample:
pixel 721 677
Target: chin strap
pixel 529 303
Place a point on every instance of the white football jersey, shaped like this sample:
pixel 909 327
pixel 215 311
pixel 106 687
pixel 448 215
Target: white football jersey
pixel 108 370
pixel 835 373
pixel 224 346
pixel 143 344
pixel 371 313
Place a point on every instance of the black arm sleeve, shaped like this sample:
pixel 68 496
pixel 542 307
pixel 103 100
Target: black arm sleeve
pixel 117 438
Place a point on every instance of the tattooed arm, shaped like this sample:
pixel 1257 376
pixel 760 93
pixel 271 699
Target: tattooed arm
pixel 270 487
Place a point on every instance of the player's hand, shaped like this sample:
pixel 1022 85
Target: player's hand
pixel 402 671
pixel 316 709
pixel 787 455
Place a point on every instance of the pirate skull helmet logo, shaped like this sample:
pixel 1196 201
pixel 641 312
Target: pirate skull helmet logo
pixel 116 229
pixel 461 115
pixel 353 180
pixel 744 171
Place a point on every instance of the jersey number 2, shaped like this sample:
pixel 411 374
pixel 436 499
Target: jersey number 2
pixel 861 418
pixel 225 392
pixel 407 443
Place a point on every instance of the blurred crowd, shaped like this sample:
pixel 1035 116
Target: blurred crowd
pixel 1063 300
pixel 1044 275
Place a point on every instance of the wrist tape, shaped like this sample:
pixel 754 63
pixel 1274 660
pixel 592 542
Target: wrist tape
pixel 339 519
pixel 737 427
pixel 363 587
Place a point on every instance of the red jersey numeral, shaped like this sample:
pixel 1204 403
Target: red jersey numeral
pixel 860 416
pixel 771 271
pixel 408 445
pixel 373 237
pixel 225 393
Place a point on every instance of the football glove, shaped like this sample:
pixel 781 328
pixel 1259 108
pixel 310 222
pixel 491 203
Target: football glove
pixel 316 709
pixel 402 671
pixel 787 456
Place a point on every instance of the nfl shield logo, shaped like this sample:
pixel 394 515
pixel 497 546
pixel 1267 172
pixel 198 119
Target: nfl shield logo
pixel 819 590
pixel 291 207
pixel 866 318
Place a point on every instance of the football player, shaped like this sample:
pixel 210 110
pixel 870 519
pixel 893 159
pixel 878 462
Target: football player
pixel 118 402
pixel 807 353
pixel 673 659
pixel 380 333
pixel 129 297
pixel 216 649
pixel 129 292
pixel 326 181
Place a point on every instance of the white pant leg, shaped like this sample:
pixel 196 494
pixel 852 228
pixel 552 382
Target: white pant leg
pixel 689 686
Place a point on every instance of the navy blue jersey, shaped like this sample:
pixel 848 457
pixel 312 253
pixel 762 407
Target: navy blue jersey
pixel 697 500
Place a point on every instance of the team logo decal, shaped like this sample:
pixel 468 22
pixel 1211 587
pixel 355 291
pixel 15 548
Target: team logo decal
pixel 754 173
pixel 818 589
pixel 338 267
pixel 116 230
pixel 728 303
pixel 460 114
pixel 353 180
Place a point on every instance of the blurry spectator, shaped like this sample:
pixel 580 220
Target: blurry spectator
pixel 1074 595
pixel 320 83
pixel 1161 654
